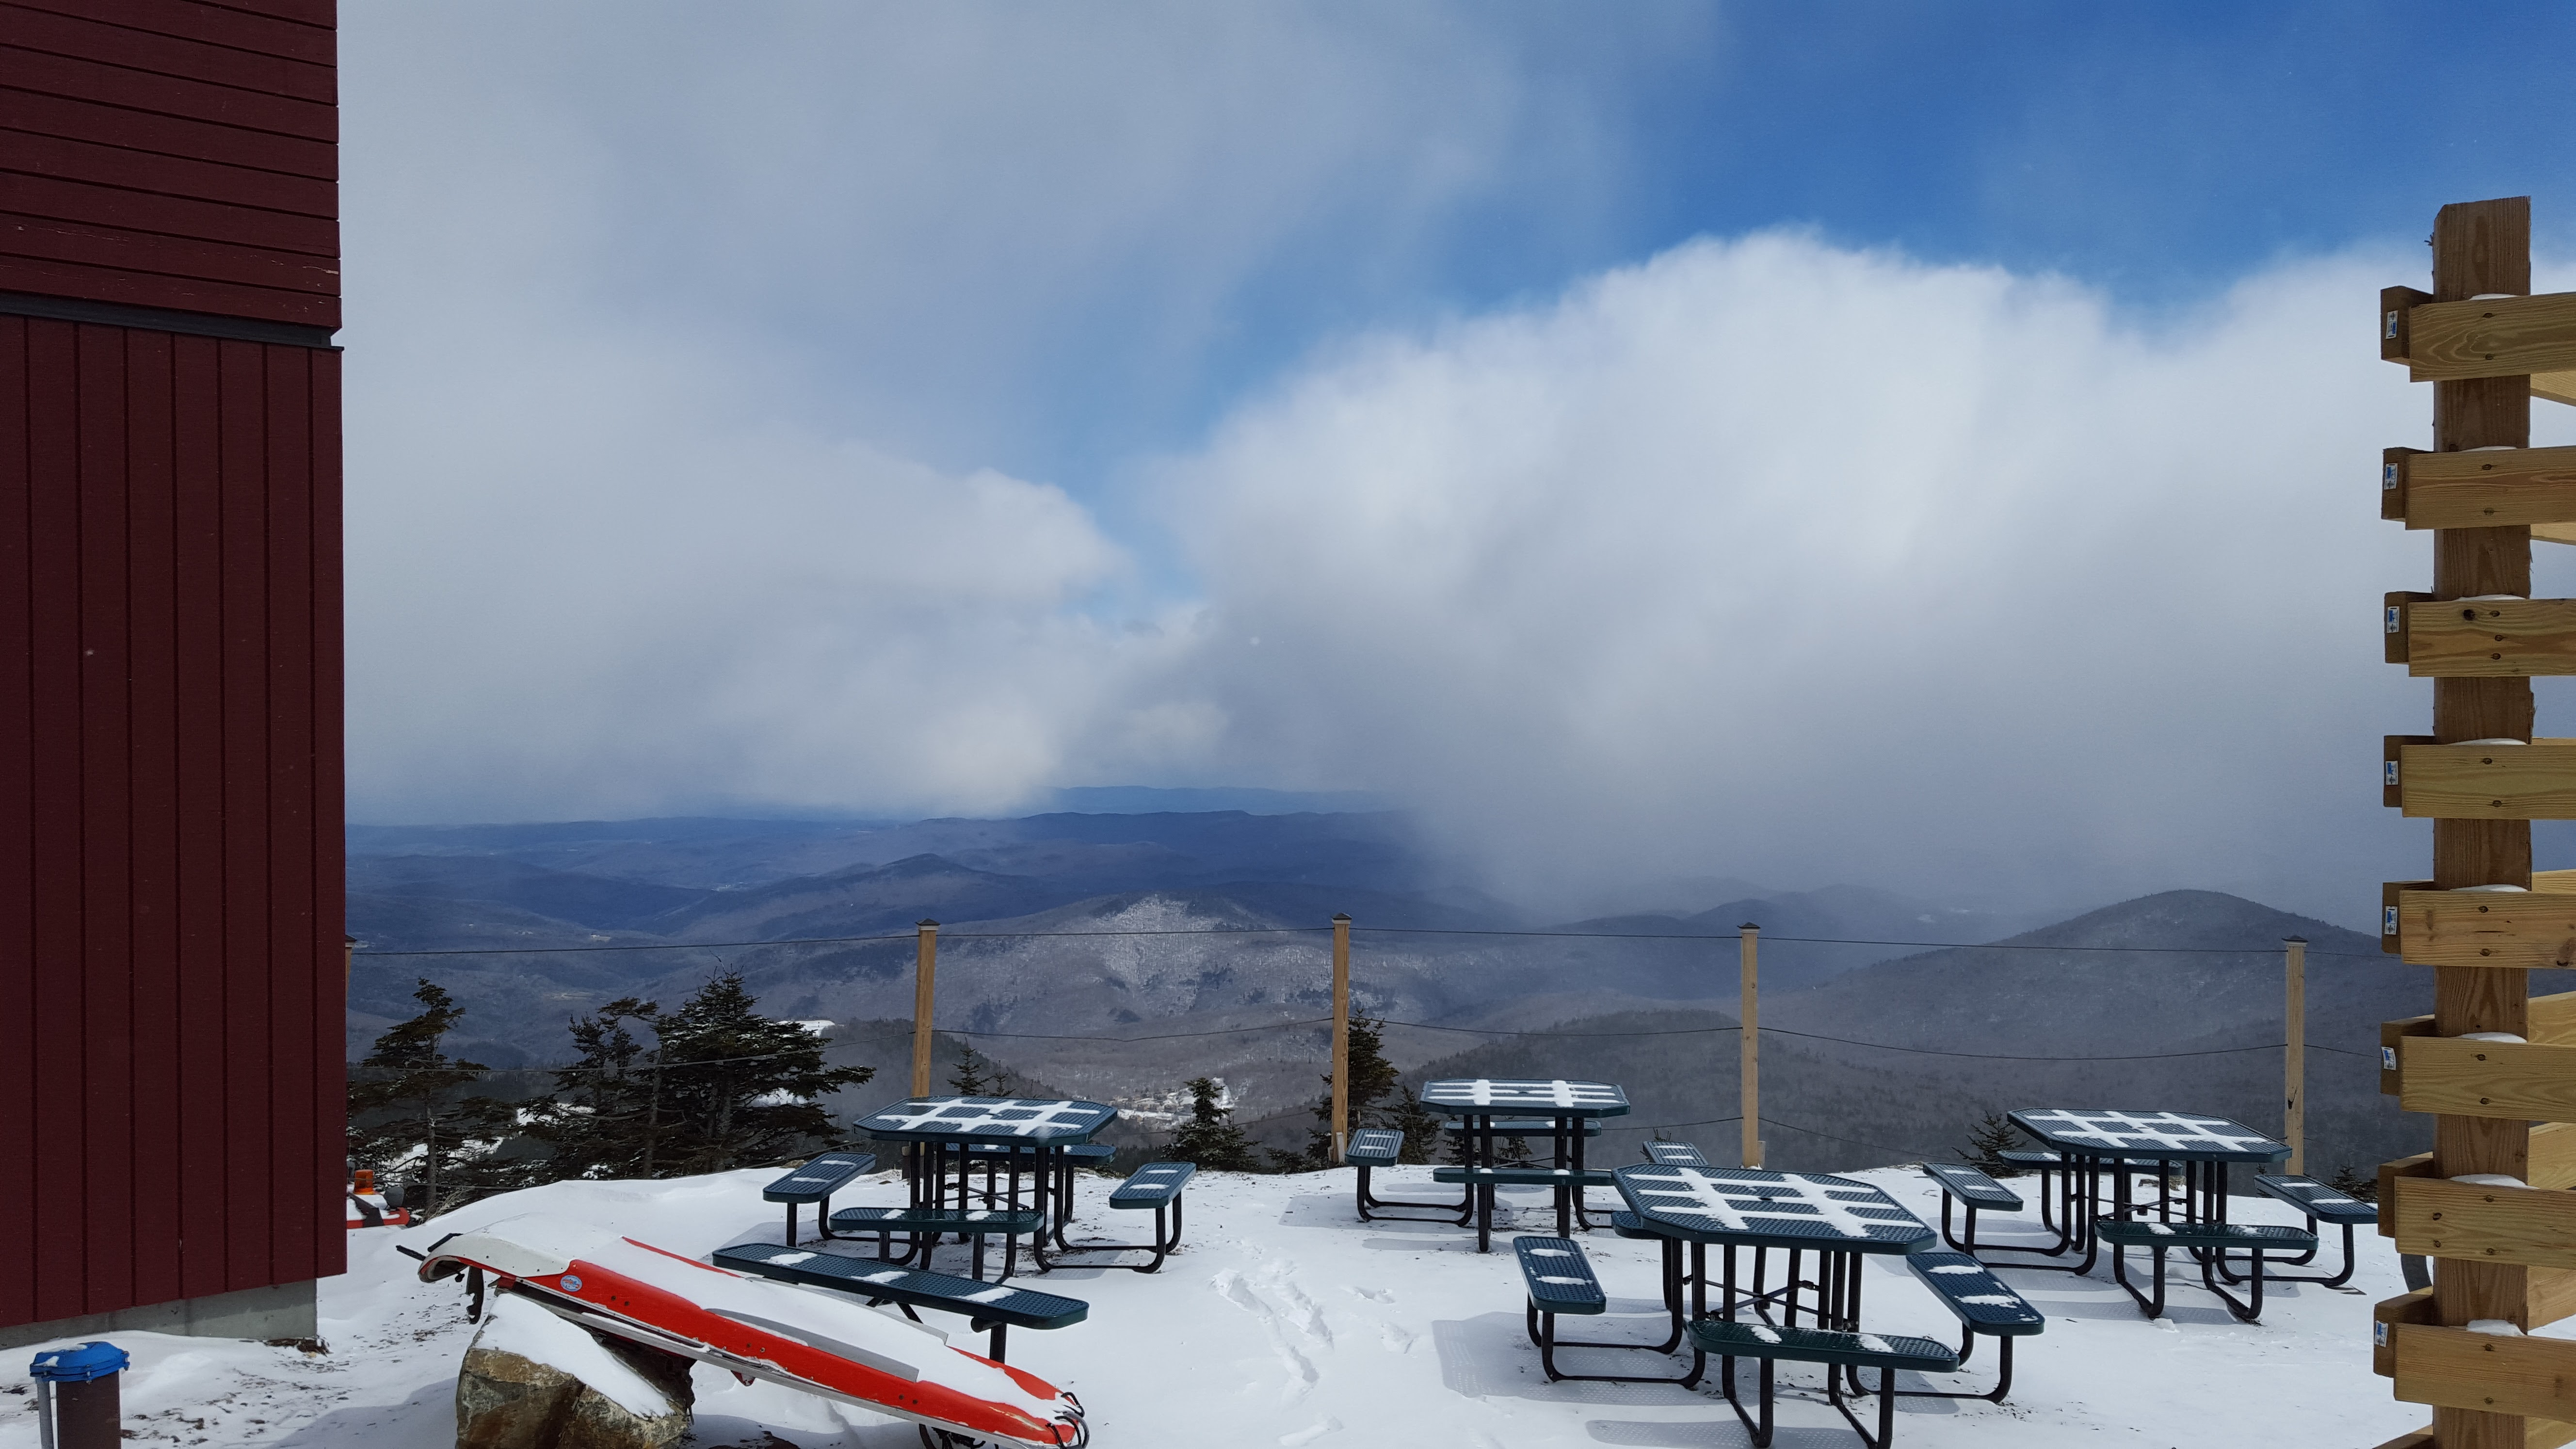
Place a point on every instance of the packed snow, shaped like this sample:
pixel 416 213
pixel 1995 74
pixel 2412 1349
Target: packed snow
pixel 1283 1320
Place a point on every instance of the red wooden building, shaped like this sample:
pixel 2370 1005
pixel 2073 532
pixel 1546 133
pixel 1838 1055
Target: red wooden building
pixel 171 1083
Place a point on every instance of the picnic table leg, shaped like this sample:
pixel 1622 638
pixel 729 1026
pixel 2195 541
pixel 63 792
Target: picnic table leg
pixel 1489 1194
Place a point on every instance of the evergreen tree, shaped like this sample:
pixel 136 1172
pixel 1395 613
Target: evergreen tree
pixel 1419 1124
pixel 1210 1137
pixel 1372 1077
pixel 741 1089
pixel 409 1097
pixel 969 1078
pixel 1988 1140
pixel 607 1119
pixel 2364 1186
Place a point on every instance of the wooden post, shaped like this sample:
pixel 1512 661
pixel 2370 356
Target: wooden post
pixel 2294 1091
pixel 1751 1056
pixel 925 967
pixel 2480 248
pixel 1341 1035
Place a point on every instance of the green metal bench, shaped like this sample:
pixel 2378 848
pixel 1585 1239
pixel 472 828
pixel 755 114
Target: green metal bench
pixel 1888 1353
pixel 991 1308
pixel 1559 1279
pixel 1375 1147
pixel 1569 1184
pixel 1525 1176
pixel 1675 1154
pixel 815 1182
pixel 1982 1303
pixel 1156 1186
pixel 2319 1203
pixel 928 1225
pixel 1975 1191
pixel 2208 1243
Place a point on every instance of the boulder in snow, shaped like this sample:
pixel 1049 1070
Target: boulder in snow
pixel 533 1381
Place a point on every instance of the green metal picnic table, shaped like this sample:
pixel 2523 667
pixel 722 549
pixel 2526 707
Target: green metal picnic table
pixel 1483 1104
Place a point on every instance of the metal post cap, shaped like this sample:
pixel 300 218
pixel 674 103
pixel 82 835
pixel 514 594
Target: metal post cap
pixel 80 1363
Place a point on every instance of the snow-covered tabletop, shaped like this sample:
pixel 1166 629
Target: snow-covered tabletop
pixel 2173 1136
pixel 1491 1097
pixel 1751 1208
pixel 944 1119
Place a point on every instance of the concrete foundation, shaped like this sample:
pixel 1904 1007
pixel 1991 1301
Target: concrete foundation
pixel 281 1310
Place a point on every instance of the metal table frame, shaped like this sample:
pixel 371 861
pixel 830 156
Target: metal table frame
pixel 2087 1153
pixel 1830 1299
pixel 1481 1101
pixel 939 1135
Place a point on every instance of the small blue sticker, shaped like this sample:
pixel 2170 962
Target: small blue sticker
pixel 571 1284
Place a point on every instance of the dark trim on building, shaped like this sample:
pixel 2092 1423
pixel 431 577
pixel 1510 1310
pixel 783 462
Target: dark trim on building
pixel 164 319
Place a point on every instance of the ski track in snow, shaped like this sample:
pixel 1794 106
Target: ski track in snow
pixel 1436 1353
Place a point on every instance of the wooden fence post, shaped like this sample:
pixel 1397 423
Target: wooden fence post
pixel 1341 1035
pixel 1751 1057
pixel 2294 1105
pixel 2482 370
pixel 925 967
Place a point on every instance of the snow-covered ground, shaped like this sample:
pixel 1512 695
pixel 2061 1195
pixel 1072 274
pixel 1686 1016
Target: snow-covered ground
pixel 1285 1321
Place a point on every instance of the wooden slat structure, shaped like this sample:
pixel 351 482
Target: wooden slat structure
pixel 171 868
pixel 2485 1062
pixel 170 154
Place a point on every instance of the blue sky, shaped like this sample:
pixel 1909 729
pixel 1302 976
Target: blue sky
pixel 826 406
pixel 2157 152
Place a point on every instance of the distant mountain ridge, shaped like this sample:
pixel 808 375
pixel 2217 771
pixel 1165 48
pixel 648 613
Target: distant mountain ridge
pixel 1112 954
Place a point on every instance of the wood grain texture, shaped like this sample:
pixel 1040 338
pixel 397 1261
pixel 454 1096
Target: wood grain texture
pixel 2500 337
pixel 2489 638
pixel 2535 781
pixel 2455 1368
pixel 2392 1034
pixel 2419 1165
pixel 2558 387
pixel 2517 1080
pixel 2390 892
pixel 2551 1296
pixel 2550 1157
pixel 2479 928
pixel 2414 1307
pixel 2484 489
pixel 2552 1018
pixel 2480 248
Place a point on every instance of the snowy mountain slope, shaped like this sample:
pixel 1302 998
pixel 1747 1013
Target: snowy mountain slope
pixel 1284 1321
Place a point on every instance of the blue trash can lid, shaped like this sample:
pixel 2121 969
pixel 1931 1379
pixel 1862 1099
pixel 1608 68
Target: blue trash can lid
pixel 80 1363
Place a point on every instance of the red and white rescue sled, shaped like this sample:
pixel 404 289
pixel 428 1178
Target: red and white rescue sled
pixel 758 1329
pixel 369 1208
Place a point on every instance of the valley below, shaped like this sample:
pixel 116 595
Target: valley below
pixel 1115 956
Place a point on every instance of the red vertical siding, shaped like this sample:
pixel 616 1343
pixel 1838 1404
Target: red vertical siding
pixel 153 703
pixel 17 820
pixel 169 1012
pixel 60 1162
pixel 171 1077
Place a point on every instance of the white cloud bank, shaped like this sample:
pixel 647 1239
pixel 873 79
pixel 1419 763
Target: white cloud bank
pixel 1763 558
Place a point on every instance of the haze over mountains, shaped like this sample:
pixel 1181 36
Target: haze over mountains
pixel 1114 955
